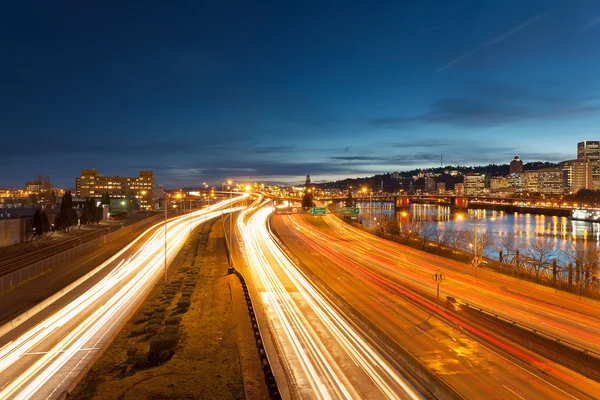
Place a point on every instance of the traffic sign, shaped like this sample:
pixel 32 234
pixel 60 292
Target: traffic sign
pixel 476 261
pixel 438 277
pixel 318 211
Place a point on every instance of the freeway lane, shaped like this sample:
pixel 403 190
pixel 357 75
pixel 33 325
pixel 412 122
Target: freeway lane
pixel 562 316
pixel 324 357
pixel 43 361
pixel 370 283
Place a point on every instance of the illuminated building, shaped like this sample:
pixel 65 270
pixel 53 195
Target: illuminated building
pixel 92 184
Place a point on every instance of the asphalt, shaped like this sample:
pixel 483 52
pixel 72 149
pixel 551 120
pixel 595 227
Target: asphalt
pixel 365 273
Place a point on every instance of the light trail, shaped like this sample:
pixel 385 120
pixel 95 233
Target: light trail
pixel 85 323
pixel 315 362
pixel 380 266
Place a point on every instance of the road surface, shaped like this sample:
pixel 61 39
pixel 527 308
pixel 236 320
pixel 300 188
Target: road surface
pixel 323 356
pixel 375 276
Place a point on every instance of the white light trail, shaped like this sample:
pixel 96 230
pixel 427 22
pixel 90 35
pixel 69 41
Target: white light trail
pixel 319 368
pixel 124 286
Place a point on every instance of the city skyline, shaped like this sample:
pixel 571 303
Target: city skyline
pixel 293 90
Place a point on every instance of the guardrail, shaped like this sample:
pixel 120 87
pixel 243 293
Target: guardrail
pixel 20 275
pixel 264 359
pixel 588 363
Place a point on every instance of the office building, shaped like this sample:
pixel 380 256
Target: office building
pixel 588 150
pixel 430 185
pixel 92 184
pixel 577 175
pixel 474 184
pixel 551 181
pixel 516 166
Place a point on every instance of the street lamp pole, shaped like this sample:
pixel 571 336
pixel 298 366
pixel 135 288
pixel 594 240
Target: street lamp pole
pixel 230 223
pixel 190 215
pixel 166 207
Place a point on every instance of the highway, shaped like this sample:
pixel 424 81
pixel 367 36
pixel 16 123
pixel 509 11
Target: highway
pixel 43 361
pixel 382 281
pixel 323 356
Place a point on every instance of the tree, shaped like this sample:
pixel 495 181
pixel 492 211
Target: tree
pixel 59 224
pixel 86 215
pixel 508 243
pixel 105 199
pixel 349 200
pixel 39 227
pixel 95 212
pixel 439 235
pixel 457 237
pixel 392 227
pixel 307 200
pixel 68 214
pixel 423 231
pixel 541 253
pixel 52 201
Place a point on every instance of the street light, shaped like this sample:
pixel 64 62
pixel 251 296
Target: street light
pixel 475 258
pixel 166 207
pixel 230 223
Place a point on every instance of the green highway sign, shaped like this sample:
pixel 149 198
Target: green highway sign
pixel 349 210
pixel 318 211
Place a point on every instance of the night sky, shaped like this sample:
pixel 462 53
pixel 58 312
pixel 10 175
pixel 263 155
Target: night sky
pixel 204 91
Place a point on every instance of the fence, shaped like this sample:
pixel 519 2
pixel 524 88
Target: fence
pixel 15 278
pixel 565 279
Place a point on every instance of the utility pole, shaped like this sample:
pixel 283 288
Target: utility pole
pixel 166 207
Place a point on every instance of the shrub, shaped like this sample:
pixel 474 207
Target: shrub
pixel 159 310
pixel 183 303
pixel 140 360
pixel 138 331
pixel 157 315
pixel 161 347
pixel 152 328
pixel 155 321
pixel 175 320
pixel 171 330
pixel 140 320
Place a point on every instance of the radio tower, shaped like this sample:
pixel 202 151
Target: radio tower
pixel 441 166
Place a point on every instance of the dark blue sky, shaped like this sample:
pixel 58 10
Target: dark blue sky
pixel 204 91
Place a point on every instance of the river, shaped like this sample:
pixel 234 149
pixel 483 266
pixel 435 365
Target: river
pixel 561 231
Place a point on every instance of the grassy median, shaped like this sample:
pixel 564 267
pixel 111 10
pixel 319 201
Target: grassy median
pixel 182 343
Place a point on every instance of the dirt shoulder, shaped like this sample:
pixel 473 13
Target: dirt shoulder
pixel 204 311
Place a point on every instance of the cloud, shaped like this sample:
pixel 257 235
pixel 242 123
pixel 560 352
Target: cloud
pixel 592 24
pixel 491 42
pixel 493 105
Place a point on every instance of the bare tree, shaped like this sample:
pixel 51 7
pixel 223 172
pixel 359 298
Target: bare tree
pixel 423 232
pixel 456 237
pixel 541 255
pixel 586 260
pixel 508 243
pixel 439 235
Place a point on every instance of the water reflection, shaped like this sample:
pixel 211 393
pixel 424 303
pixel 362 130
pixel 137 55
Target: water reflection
pixel 562 231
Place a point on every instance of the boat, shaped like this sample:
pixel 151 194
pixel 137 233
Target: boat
pixel 585 215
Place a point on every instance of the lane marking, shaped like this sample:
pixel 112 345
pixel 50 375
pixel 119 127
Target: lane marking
pixel 513 392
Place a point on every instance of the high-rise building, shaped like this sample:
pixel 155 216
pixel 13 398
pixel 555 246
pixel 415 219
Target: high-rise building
pixel 577 175
pixel 517 182
pixel 531 181
pixel 430 185
pixel 516 165
pixel 499 184
pixel 551 181
pixel 588 150
pixel 92 184
pixel 474 184
pixel 441 187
